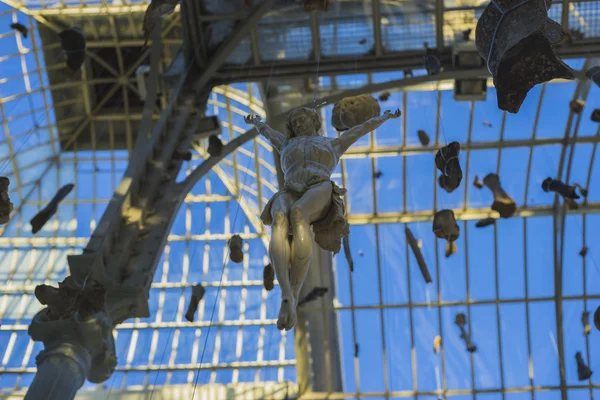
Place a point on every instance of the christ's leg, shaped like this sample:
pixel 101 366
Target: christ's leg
pixel 312 206
pixel 280 253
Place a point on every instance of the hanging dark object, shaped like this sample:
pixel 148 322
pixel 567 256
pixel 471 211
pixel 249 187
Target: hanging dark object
pixel 477 183
pixel 268 277
pixel 585 321
pixel 235 249
pixel 432 62
pixel 6 206
pixel 182 155
pixel 576 106
pixel 414 246
pixel 73 44
pixel 21 28
pixel 460 321
pixel 377 174
pixel 556 186
pixel 582 190
pixel 466 35
pixel 445 226
pixel 320 5
pixel 42 217
pixel 595 117
pixel 363 41
pixel 423 137
pixel 384 96
pixel 314 294
pixel 215 146
pixel 583 371
pixel 482 223
pixel 516 39
pixel 597 318
pixel 583 252
pixel 70 298
pixel 197 295
pixel 447 161
pixel 451 248
pixel 594 74
pixel 348 252
pixel 503 203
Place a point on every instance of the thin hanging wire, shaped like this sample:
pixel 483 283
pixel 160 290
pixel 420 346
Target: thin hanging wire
pixel 219 287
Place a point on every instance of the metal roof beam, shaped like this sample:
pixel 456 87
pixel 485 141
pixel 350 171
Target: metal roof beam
pixel 462 214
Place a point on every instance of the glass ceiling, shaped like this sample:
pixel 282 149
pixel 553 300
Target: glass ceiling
pixel 502 278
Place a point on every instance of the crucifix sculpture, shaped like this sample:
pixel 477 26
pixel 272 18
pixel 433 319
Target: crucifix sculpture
pixel 308 198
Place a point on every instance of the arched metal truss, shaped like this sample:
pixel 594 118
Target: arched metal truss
pixel 245 346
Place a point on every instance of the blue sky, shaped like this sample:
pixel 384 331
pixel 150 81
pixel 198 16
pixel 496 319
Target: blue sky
pixel 520 269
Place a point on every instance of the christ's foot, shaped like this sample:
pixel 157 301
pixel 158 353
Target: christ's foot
pixel 287 314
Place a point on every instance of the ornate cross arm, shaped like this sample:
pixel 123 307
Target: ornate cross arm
pixel 348 138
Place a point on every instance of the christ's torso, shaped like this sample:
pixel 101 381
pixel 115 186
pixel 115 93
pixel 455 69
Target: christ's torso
pixel 305 159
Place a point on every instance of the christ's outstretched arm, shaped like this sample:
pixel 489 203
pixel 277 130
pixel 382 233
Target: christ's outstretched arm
pixel 350 137
pixel 275 137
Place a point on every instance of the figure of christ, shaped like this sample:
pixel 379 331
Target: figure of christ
pixel 308 198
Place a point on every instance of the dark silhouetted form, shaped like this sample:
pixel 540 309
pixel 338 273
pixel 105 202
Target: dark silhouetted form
pixel 314 294
pixel 384 96
pixel 21 28
pixel 42 217
pixel 477 183
pixel 595 117
pixel 268 277
pixel 70 298
pixel 582 190
pixel 348 252
pixel 235 249
pixel 197 295
pixel 585 321
pixel 482 223
pixel 414 246
pixel 461 321
pixel 583 252
pixel 73 44
pixel 447 161
pixel 6 206
pixel 576 106
pixel 431 60
pixel 556 186
pixel 503 203
pixel 451 248
pixel 583 371
pixel 466 35
pixel 445 226
pixel 423 137
pixel 215 146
